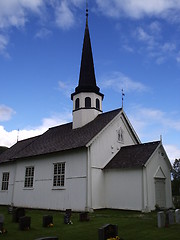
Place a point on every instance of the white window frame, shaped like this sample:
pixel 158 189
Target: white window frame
pixel 29 177
pixel 59 171
pixel 5 181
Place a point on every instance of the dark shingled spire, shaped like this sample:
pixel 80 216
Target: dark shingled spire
pixel 87 79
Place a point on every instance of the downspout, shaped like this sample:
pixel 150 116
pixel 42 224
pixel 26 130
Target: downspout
pixel 14 180
pixel 143 207
pixel 88 182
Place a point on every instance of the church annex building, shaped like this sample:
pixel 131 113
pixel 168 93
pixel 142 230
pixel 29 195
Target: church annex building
pixel 96 161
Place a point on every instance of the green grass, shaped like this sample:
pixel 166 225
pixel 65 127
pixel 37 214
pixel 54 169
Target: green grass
pixel 131 226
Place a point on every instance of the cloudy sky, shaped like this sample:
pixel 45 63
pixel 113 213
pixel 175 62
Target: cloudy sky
pixel 135 47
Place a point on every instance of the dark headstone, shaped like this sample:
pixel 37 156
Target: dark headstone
pixel 24 223
pixel 83 217
pixel 69 212
pixel 67 216
pixel 170 215
pixel 17 214
pixel 47 220
pixel 1 222
pixel 108 231
pixel 47 238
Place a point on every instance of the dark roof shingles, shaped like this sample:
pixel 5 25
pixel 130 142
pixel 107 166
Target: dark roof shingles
pixel 59 138
pixel 133 156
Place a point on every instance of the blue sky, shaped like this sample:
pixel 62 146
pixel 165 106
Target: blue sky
pixel 135 46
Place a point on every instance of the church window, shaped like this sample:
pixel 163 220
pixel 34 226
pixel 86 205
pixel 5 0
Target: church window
pixel 29 177
pixel 97 103
pixel 59 175
pixel 77 103
pixel 87 102
pixel 120 136
pixel 5 181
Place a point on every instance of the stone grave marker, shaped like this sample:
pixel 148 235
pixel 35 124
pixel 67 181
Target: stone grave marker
pixel 67 216
pixel 170 217
pixel 83 217
pixel 24 223
pixel 177 215
pixel 108 231
pixel 47 220
pixel 1 221
pixel 161 219
pixel 17 213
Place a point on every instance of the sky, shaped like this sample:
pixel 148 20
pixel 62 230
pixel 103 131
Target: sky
pixel 135 46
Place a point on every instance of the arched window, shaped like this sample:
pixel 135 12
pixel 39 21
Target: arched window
pixel 77 103
pixel 97 103
pixel 87 102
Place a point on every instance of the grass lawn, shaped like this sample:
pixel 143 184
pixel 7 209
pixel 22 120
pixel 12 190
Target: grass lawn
pixel 131 226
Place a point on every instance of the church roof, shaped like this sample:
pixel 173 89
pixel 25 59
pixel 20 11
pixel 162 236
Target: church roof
pixel 59 138
pixel 133 156
pixel 87 79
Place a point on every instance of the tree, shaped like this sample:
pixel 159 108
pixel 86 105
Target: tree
pixel 176 178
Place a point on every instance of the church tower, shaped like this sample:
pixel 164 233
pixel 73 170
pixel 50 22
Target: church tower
pixel 87 99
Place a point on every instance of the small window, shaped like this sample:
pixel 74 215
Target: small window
pixel 59 175
pixel 120 136
pixel 87 102
pixel 77 103
pixel 29 177
pixel 97 103
pixel 5 181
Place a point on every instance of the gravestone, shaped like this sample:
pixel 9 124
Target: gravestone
pixel 17 213
pixel 108 231
pixel 47 238
pixel 67 216
pixel 170 217
pixel 161 219
pixel 1 222
pixel 47 220
pixel 10 209
pixel 24 223
pixel 177 214
pixel 83 217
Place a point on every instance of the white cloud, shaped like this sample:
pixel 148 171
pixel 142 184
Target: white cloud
pixel 173 152
pixel 3 44
pixel 64 16
pixel 65 88
pixel 150 124
pixel 118 81
pixel 137 8
pixel 14 13
pixel 5 113
pixel 8 138
pixel 43 33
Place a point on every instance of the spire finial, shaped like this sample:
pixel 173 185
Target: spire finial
pixel 122 97
pixel 86 11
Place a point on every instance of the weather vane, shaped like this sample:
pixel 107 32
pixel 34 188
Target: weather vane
pixel 122 97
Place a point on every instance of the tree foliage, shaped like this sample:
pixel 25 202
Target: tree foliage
pixel 176 177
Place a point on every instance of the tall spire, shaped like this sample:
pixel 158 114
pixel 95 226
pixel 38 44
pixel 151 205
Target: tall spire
pixel 87 79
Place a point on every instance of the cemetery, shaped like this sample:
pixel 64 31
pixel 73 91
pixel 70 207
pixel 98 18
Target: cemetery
pixel 105 224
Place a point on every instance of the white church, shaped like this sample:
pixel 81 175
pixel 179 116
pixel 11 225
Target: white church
pixel 96 161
